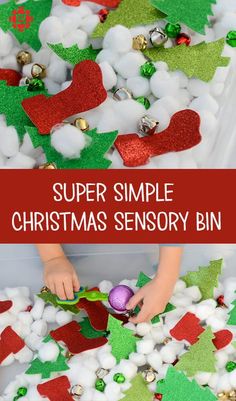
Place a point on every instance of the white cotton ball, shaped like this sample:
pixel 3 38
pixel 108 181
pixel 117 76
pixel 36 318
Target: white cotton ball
pixel 128 368
pixel 86 377
pixel 112 389
pixel 57 71
pixel 51 30
pixel 52 87
pixel 25 291
pixel 183 79
pixel 145 346
pixel 143 328
pixel 208 123
pixel 130 326
pixel 48 352
pixel 194 293
pixel 65 85
pixel 107 361
pixel 170 104
pixel 26 318
pixel 107 55
pixel 155 360
pixel 139 30
pixel 33 394
pixel 204 311
pixel 138 86
pixel 89 23
pixel 163 370
pixel 105 286
pixel 158 335
pixel 39 327
pixel 128 113
pixel 7 319
pixel 91 363
pixel 160 114
pixel 98 396
pixel 28 149
pixel 20 161
pixel 161 66
pixel 215 323
pixel 196 87
pixel 221 74
pixel 79 37
pixel 202 378
pixel 205 102
pixel 24 355
pixel 213 380
pixel 128 66
pixel 21 329
pixel 217 89
pixel 70 22
pixel 83 10
pixel 118 39
pixel 6 43
pixel 222 358
pixel 179 286
pixel 38 308
pixel 63 317
pixel 10 62
pixel 180 300
pixel 138 359
pixel 49 314
pixel 232 379
pixel 87 394
pixel 108 75
pixel 69 141
pixel 223 383
pixel 43 56
pixel 20 303
pixel 9 141
pixel 24 398
pixel 167 354
pixel 162 84
pixel 8 361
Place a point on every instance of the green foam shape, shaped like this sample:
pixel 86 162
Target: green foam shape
pixel 177 387
pixel 122 340
pixel 198 61
pixel 50 298
pixel 138 390
pixel 129 13
pixel 91 157
pixel 232 318
pixel 88 331
pixel 200 357
pixel 45 369
pixel 206 278
pixel 39 10
pixel 73 55
pixel 192 13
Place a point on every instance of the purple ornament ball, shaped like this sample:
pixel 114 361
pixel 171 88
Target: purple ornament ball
pixel 119 296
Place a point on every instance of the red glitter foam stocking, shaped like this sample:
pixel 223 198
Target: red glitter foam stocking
pixel 5 306
pixel 10 343
pixel 188 328
pixel 74 340
pixel 182 133
pixel 56 389
pixel 222 339
pixel 12 77
pixel 85 93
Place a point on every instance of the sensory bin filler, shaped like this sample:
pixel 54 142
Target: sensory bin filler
pixel 87 349
pixel 116 83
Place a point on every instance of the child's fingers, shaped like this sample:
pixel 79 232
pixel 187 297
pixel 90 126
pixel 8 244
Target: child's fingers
pixel 76 283
pixel 60 290
pixel 135 300
pixel 51 286
pixel 143 316
pixel 68 286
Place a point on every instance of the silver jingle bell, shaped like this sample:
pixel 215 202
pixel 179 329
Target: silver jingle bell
pixel 149 375
pixel 122 94
pixel 147 125
pixel 101 373
pixel 77 390
pixel 158 37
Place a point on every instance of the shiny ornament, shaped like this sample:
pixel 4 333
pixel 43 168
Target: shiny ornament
pixel 101 373
pixel 231 38
pixel 22 391
pixel 24 81
pixel 36 84
pixel 147 69
pixel 69 355
pixel 16 398
pixel 119 378
pixel 144 101
pixel 230 366
pixel 77 390
pixel 140 43
pixel 167 340
pixel 103 14
pixel 29 308
pixel 122 94
pixel 38 71
pixel 183 39
pixel 149 375
pixel 172 30
pixel 158 37
pixel 221 301
pixel 147 125
pixel 24 57
pixel 100 385
pixel 158 396
pixel 82 124
pixel 119 296
pixel 44 289
pixel 47 166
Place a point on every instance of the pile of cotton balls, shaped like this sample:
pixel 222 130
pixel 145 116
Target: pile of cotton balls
pixel 152 349
pixel 168 92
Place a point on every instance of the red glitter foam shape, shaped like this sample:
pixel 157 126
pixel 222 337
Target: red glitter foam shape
pixel 11 77
pixel 10 343
pixel 5 306
pixel 56 389
pixel 188 328
pixel 182 133
pixel 85 93
pixel 222 339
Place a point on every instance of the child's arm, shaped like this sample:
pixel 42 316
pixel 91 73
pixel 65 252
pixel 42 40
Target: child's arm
pixel 155 295
pixel 59 274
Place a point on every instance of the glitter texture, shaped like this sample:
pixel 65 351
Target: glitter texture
pixel 38 10
pixel 85 93
pixel 56 389
pixel 182 133
pixel 222 339
pixel 199 61
pixel 138 390
pixel 5 306
pixel 73 55
pixel 129 13
pixel 11 77
pixel 106 3
pixel 188 328
pixel 192 13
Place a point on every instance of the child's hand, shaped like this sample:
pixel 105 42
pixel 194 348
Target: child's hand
pixel 61 278
pixel 152 298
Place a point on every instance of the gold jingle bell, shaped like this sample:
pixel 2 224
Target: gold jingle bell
pixel 167 340
pixel 77 390
pixel 232 395
pixel 149 375
pixel 140 43
pixel 23 57
pixel 47 166
pixel 69 355
pixel 223 397
pixel 38 71
pixel 44 289
pixel 81 124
